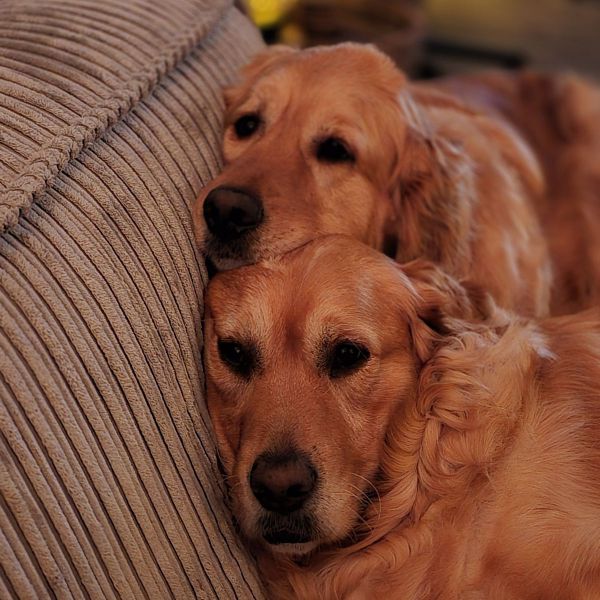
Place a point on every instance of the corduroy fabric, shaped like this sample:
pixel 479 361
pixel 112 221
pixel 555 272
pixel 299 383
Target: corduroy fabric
pixel 110 116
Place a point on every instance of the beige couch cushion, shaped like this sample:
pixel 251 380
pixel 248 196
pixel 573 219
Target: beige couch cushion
pixel 110 113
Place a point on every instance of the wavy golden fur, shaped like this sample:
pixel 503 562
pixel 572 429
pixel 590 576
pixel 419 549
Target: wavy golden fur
pixel 559 117
pixel 479 430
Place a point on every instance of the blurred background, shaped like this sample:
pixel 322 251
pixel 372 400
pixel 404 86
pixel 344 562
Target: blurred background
pixel 428 38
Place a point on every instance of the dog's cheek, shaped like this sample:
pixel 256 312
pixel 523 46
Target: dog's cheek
pixel 232 148
pixel 351 207
pixel 242 507
pixel 226 428
pixel 235 465
pixel 341 506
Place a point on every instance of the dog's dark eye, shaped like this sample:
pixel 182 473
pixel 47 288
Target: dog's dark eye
pixel 239 358
pixel 347 357
pixel 334 150
pixel 245 126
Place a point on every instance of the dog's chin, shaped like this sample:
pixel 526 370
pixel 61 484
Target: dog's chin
pixel 294 550
pixel 220 256
pixel 224 262
pixel 248 250
pixel 215 264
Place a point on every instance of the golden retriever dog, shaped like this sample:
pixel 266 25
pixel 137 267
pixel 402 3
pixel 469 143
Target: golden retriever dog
pixel 386 432
pixel 336 140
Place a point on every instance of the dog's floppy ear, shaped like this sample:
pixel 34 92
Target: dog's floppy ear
pixel 256 67
pixel 430 189
pixel 441 305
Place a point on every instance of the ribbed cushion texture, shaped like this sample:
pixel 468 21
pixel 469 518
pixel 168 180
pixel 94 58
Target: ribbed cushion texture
pixel 110 118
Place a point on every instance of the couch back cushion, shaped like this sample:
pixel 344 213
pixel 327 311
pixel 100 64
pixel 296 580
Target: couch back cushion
pixel 110 118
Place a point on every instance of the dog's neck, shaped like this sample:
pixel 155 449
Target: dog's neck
pixel 440 449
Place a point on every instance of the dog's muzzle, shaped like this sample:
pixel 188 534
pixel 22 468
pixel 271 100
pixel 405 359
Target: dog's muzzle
pixel 283 483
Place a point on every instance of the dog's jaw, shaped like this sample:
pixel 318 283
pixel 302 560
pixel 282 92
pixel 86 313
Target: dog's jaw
pixel 226 264
pixel 294 550
pixel 223 259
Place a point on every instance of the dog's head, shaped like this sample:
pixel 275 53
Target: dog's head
pixel 316 142
pixel 308 357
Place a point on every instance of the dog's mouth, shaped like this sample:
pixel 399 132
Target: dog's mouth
pixel 286 536
pixel 283 532
pixel 223 256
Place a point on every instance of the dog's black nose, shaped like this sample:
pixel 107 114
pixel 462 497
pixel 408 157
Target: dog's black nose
pixel 282 483
pixel 229 213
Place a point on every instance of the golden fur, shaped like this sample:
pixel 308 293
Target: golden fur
pixel 559 116
pixel 439 173
pixel 479 431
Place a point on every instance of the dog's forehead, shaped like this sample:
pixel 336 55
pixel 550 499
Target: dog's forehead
pixel 332 284
pixel 339 282
pixel 257 294
pixel 343 72
pixel 244 295
pixel 350 62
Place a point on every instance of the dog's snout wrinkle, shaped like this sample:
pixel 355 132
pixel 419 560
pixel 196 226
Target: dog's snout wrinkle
pixel 229 213
pixel 282 483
